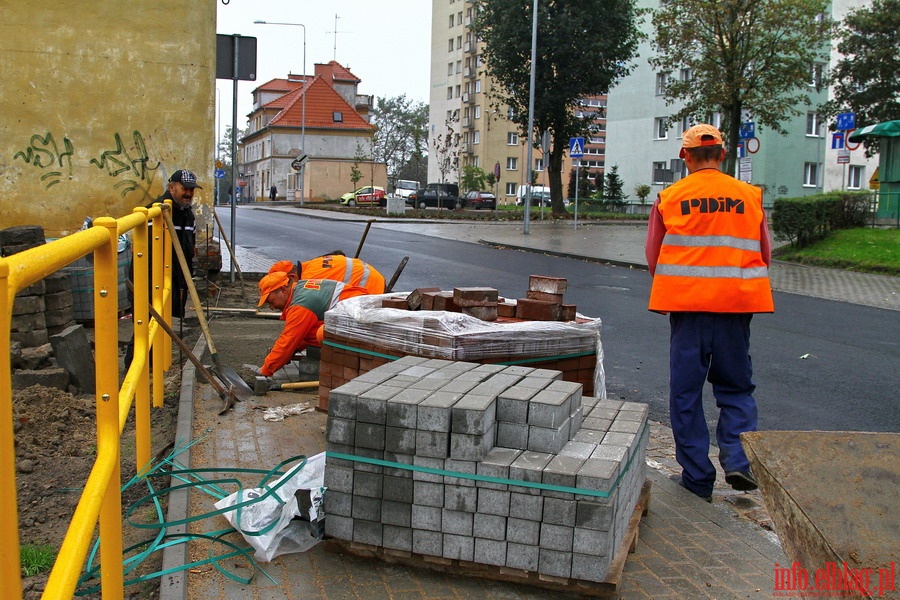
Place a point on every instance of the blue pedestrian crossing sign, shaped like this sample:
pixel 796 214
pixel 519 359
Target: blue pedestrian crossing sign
pixel 846 121
pixel 576 147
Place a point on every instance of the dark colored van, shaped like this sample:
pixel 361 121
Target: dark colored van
pixel 439 195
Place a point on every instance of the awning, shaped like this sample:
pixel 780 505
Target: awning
pixel 886 129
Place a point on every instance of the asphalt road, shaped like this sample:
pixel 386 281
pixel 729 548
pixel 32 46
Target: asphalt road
pixel 818 364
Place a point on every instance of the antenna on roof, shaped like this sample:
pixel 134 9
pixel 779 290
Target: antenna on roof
pixel 335 32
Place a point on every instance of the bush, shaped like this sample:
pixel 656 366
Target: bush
pixel 810 218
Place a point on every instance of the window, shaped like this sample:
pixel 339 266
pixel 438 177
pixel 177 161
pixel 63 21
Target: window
pixel 337 116
pixel 477 111
pixel 477 137
pixel 510 114
pixel 512 138
pixel 662 132
pixel 686 123
pixel 458 42
pixel 459 66
pixel 855 177
pixel 449 115
pixel 661 80
pixel 477 86
pixel 512 163
pixel 539 164
pixel 812 124
pixel 715 120
pixel 449 68
pixel 450 92
pixel 659 173
pixel 450 45
pixel 816 75
pixel 459 17
pixel 686 74
pixel 451 19
pixel 810 174
pixel 476 162
pixel 510 188
pixel 457 91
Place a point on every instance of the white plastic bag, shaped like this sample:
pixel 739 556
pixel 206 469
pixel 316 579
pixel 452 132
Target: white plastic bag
pixel 290 519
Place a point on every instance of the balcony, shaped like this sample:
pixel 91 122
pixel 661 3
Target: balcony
pixel 469 47
pixel 468 123
pixel 466 98
pixel 468 72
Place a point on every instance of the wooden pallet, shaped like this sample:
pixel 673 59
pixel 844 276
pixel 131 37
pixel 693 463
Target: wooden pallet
pixel 609 588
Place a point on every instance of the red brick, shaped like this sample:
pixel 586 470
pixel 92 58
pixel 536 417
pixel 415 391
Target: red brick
pixel 474 296
pixel 395 303
pixel 415 297
pixel 485 313
pixel 428 300
pixel 568 312
pixel 537 310
pixel 444 301
pixel 506 308
pixel 543 283
pixel 545 296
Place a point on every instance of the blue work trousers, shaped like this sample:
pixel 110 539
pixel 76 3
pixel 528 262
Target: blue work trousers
pixel 713 347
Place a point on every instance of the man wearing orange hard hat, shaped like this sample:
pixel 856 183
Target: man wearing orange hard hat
pixel 303 305
pixel 336 267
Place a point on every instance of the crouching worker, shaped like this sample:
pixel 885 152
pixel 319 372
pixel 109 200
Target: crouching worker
pixel 337 267
pixel 303 305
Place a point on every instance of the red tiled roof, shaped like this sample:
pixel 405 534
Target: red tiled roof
pixel 280 85
pixel 335 71
pixel 322 101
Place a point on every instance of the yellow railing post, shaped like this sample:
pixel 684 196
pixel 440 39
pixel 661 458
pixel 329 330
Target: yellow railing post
pixel 161 358
pixel 141 295
pixel 106 333
pixel 10 570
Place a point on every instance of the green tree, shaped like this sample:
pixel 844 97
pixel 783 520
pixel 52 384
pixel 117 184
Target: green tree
pixel 612 189
pixel 402 133
pixel 446 147
pixel 355 173
pixel 474 178
pixel 583 49
pixel 585 185
pixel 866 80
pixel 733 56
pixel 642 190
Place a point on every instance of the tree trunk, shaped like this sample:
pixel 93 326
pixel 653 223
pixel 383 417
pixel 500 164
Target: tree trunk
pixel 554 166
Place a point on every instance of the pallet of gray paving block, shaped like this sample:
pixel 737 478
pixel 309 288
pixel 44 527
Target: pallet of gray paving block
pixel 472 447
pixel 367 532
pixel 496 464
pixel 548 440
pixel 473 414
pixel 512 435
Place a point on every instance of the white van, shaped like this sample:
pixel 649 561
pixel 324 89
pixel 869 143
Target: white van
pixel 536 190
pixel 405 188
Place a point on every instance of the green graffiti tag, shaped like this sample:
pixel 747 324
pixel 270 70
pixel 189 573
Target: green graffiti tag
pixel 134 161
pixel 43 152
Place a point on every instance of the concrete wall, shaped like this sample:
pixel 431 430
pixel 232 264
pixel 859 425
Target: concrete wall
pixel 100 103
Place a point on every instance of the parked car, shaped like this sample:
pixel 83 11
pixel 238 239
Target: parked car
pixel 536 198
pixel 367 195
pixel 479 200
pixel 440 195
pixel 405 188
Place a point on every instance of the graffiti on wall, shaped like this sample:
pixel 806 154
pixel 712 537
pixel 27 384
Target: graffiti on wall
pixel 129 166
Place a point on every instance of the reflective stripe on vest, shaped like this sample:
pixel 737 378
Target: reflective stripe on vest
pixel 724 272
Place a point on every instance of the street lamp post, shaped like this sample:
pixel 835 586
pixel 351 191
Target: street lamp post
pixel 302 103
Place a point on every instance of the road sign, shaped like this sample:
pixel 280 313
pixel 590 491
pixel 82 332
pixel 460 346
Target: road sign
pixel 747 130
pixel 745 169
pixel 545 143
pixel 220 173
pixel 219 164
pixel 843 157
pixel 741 150
pixel 837 141
pixel 846 121
pixel 576 147
pixel 298 162
pixel 242 183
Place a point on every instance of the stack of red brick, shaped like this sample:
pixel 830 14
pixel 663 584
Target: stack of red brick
pixel 538 331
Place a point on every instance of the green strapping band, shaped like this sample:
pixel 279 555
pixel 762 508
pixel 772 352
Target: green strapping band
pixel 486 478
pixel 524 361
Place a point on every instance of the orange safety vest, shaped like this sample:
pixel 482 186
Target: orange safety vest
pixel 710 259
pixel 351 271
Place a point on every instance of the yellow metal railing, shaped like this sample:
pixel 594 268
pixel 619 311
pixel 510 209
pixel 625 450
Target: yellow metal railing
pixel 101 499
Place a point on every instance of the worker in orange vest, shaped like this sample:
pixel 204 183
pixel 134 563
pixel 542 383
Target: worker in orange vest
pixel 337 267
pixel 708 250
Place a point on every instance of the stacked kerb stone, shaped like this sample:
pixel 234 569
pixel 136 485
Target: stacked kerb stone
pixel 415 465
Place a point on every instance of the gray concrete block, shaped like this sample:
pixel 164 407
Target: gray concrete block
pixel 378 375
pixel 597 474
pixel 610 452
pixel 512 435
pixel 359 465
pixel 333 448
pixel 401 409
pixel 596 424
pixel 490 552
pixel 342 400
pixel 459 385
pixel 620 439
pixel 548 440
pixel 396 513
pixel 517 370
pixel 472 447
pixel 426 517
pixel 368 509
pixel 340 431
pixel 529 466
pixel 556 537
pixel 432 444
pixel 460 498
pixel 458 547
pixel 371 406
pixel 397 538
pixel 433 413
pixel 367 532
pixel 549 409
pixel 473 415
pixel 579 449
pixel 368 484
pixel 400 440
pixel 597 541
pixel 526 506
pixel 428 463
pixel 496 464
pixel 456 522
pixel 558 511
pixel 73 353
pixel 426 493
pixel 556 563
pixel 493 502
pixel 588 402
pixel 339 527
pixel 338 503
pixel 467 467
pixel 522 531
pixel 398 489
pixel 522 556
pixel 400 459
pixel 492 527
pixel 594 515
pixel 369 435
pixel 427 542
pixel 339 479
pixel 561 471
pixel 590 567
pixel 621 425
pixel 573 389
pixel 512 403
pixel 430 384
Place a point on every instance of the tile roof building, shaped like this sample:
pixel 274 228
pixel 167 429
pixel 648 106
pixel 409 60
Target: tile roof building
pixel 322 118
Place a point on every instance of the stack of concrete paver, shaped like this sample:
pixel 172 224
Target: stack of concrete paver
pixel 505 466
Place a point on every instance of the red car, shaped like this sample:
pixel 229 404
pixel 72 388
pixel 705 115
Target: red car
pixel 478 200
pixel 368 195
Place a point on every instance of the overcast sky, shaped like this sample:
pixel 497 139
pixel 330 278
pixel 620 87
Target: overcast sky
pixel 386 43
